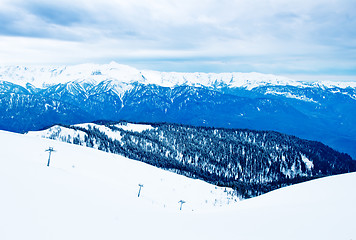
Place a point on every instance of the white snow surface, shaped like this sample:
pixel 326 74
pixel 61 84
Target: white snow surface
pixel 134 127
pixel 290 95
pixel 123 76
pixel 89 194
pixel 67 134
pixel 309 164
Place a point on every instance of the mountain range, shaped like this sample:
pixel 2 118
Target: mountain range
pixel 32 98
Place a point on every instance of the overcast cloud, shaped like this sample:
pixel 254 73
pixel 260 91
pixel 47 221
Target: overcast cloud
pixel 312 37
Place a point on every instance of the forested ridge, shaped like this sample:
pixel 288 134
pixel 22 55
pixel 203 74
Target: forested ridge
pixel 252 162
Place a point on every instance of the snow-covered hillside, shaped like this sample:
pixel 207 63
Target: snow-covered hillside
pixel 87 194
pixel 252 162
pixel 43 76
pixel 161 189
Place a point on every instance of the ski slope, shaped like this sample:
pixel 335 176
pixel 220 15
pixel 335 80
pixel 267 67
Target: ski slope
pixel 89 194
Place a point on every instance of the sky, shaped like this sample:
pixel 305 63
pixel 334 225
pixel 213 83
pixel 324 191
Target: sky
pixel 308 38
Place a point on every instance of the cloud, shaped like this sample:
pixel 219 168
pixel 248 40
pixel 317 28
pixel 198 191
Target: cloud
pixel 217 35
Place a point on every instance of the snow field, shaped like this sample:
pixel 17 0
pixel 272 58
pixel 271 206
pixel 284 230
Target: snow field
pixel 89 194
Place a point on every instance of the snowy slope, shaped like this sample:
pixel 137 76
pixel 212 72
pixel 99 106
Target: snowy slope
pixel 87 194
pixel 161 188
pixel 204 152
pixel 42 76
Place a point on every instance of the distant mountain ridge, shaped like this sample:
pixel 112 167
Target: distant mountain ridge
pixel 44 76
pixel 32 98
pixel 252 162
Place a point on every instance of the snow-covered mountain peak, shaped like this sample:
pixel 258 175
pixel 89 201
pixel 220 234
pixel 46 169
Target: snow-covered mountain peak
pixel 332 84
pixel 235 79
pixel 41 76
